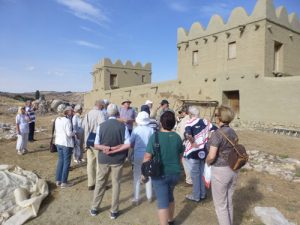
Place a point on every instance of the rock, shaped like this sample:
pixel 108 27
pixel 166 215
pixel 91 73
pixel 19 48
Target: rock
pixel 271 216
pixel 54 104
pixel 13 110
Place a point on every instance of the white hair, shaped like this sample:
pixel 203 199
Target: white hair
pixel 112 110
pixel 194 111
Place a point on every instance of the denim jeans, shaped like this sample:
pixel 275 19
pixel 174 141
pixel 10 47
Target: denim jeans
pixel 197 169
pixel 63 163
pixel 164 188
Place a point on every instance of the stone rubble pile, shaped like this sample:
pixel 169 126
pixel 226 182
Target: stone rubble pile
pixel 7 132
pixel 281 166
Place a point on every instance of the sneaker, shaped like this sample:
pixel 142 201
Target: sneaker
pixel 91 188
pixel 66 185
pixel 150 200
pixel 82 160
pixel 76 161
pixel 114 215
pixel 58 183
pixel 20 153
pixel 171 222
pixel 191 198
pixel 25 151
pixel 135 202
pixel 94 212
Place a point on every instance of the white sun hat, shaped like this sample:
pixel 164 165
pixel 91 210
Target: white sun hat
pixel 142 118
pixel 148 102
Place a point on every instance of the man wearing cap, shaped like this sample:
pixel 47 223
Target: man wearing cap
pixel 127 115
pixel 90 122
pixel 164 106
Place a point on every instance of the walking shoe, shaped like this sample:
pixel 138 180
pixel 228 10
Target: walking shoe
pixel 58 183
pixel 114 215
pixel 20 153
pixel 91 188
pixel 25 150
pixel 82 160
pixel 135 202
pixel 76 161
pixel 94 212
pixel 171 222
pixel 191 198
pixel 66 185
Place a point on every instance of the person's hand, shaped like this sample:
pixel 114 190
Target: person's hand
pixel 144 179
pixel 106 150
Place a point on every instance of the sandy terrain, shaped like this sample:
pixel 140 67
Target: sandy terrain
pixel 71 206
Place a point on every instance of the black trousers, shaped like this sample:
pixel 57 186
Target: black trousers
pixel 31 131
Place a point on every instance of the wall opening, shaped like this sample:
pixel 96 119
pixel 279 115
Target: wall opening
pixel 195 58
pixel 232 99
pixel 143 78
pixel 113 81
pixel 232 50
pixel 278 54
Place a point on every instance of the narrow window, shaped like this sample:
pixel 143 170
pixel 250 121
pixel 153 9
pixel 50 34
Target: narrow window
pixel 278 49
pixel 195 58
pixel 232 50
pixel 143 78
pixel 113 80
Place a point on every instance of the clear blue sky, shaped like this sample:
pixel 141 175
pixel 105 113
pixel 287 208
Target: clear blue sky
pixel 53 44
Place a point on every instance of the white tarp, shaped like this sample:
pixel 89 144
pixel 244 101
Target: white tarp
pixel 21 194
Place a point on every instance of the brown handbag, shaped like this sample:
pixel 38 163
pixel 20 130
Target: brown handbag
pixel 237 157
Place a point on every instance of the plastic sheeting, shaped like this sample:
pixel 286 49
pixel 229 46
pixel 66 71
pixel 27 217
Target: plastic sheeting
pixel 21 194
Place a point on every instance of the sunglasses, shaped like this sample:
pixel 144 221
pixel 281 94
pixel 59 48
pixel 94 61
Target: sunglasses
pixel 217 115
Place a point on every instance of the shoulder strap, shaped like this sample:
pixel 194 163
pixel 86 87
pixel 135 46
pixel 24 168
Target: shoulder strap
pixel 156 146
pixel 223 134
pixel 53 127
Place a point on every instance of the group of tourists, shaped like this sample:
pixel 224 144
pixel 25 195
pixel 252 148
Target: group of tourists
pixel 110 134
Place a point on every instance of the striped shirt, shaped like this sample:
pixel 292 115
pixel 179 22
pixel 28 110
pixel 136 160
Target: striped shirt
pixel 31 114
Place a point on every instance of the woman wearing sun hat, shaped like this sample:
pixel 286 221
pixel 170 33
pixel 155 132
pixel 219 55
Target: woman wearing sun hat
pixel 139 140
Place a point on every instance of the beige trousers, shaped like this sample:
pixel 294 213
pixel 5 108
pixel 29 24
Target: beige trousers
pixel 92 161
pixel 223 181
pixel 101 181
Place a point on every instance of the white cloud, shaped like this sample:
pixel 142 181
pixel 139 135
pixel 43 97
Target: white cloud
pixel 220 8
pixel 88 44
pixel 30 68
pixel 86 29
pixel 85 10
pixel 178 6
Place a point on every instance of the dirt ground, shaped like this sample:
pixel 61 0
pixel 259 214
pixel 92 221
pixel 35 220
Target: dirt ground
pixel 71 206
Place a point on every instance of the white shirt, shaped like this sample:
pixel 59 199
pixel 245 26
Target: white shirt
pixel 127 135
pixel 63 132
pixel 22 121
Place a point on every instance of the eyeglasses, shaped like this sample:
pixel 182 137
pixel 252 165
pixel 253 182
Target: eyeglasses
pixel 217 115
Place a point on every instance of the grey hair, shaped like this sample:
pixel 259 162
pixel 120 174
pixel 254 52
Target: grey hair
pixel 112 110
pixel 193 110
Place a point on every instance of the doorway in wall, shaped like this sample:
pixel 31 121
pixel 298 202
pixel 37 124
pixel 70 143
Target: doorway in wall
pixel 232 99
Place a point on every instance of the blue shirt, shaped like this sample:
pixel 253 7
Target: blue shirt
pixel 139 139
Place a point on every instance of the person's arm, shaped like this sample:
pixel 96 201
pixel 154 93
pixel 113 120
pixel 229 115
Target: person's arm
pixel 211 155
pixel 18 125
pixel 68 128
pixel 122 147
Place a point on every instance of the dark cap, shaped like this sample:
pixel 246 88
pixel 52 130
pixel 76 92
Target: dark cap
pixel 163 102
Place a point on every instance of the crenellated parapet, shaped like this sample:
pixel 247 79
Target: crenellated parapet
pixel 264 10
pixel 128 65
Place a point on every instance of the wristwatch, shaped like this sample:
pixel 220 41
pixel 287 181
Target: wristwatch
pixel 109 148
